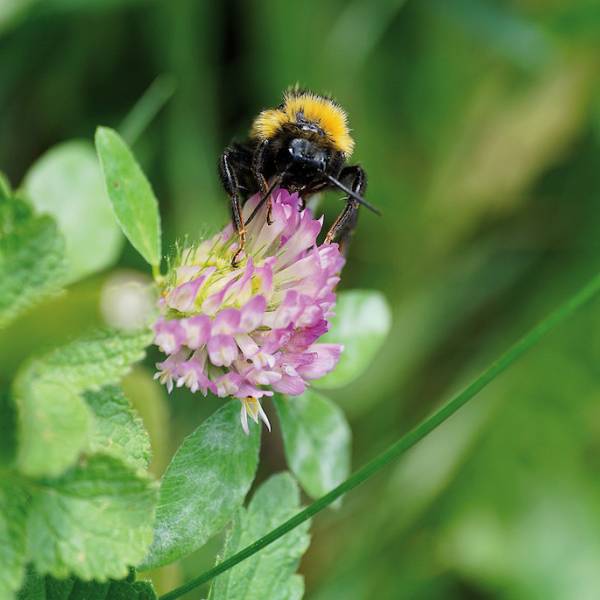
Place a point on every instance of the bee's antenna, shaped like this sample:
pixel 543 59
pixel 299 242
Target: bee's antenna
pixel 354 195
pixel 276 182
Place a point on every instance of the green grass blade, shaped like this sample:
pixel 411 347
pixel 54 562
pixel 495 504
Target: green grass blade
pixel 406 441
pixel 146 108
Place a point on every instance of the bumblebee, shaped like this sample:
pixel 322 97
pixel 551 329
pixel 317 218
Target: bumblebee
pixel 302 146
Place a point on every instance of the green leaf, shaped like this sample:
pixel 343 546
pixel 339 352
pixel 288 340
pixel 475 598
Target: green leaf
pixel 361 323
pixel 114 590
pixel 8 428
pixel 54 420
pixel 13 514
pixel 205 483
pixel 37 587
pixel 117 429
pixel 295 589
pixel 316 438
pixel 269 574
pixel 54 423
pixel 101 358
pixel 5 189
pixel 133 200
pixel 34 586
pixel 149 400
pixel 86 590
pixel 94 521
pixel 31 259
pixel 66 183
pixel 59 589
pixel 145 590
pixel 14 213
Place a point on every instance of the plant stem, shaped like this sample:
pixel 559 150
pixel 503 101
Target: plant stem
pixel 156 273
pixel 406 441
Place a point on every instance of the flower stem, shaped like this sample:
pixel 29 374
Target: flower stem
pixel 156 273
pixel 406 441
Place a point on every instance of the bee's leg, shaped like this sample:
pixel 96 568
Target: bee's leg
pixel 227 170
pixel 343 227
pixel 258 163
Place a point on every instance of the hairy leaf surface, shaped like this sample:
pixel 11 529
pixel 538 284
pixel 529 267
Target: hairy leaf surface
pixel 94 521
pixel 203 486
pixel 270 573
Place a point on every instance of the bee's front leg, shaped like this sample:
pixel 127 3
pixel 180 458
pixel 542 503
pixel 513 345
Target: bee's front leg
pixel 258 164
pixel 356 179
pixel 227 170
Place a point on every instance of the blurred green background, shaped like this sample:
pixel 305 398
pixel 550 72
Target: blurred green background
pixel 478 122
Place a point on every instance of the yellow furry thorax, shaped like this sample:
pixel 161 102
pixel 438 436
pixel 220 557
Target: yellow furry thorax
pixel 325 113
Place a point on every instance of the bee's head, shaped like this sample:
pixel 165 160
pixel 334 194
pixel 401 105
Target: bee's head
pixel 303 155
pixel 308 124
